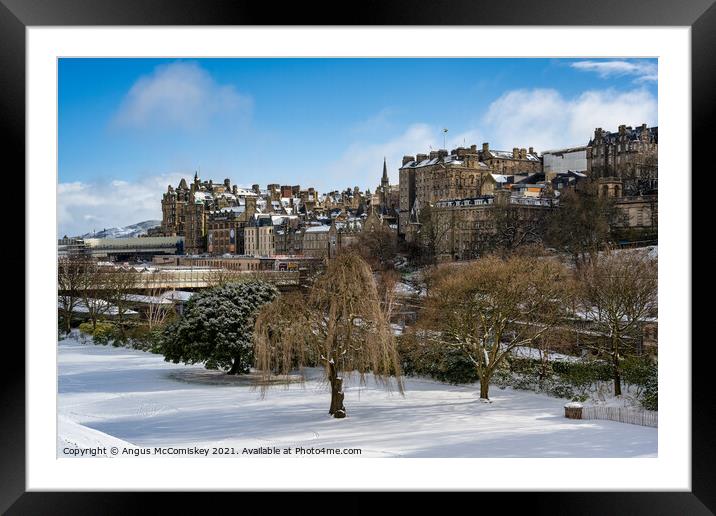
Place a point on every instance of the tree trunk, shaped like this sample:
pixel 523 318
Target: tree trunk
pixel 617 372
pixel 337 409
pixel 484 387
pixel 617 376
pixel 235 367
pixel 68 320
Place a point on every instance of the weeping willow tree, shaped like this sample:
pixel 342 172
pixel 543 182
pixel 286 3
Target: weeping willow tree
pixel 340 324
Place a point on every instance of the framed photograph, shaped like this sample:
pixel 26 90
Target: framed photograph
pixel 421 252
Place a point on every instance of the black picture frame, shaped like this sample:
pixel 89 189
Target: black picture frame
pixel 17 15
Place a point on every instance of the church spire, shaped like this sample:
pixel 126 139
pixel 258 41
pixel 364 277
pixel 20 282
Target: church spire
pixel 384 181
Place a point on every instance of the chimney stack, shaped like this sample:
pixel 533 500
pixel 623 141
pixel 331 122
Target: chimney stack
pixel 407 159
pixel 485 147
pixel 532 150
pixel 515 153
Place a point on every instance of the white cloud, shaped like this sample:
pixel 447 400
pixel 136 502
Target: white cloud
pixel 84 207
pixel 642 70
pixel 545 119
pixel 179 94
pixel 539 118
pixel 361 163
pixel 381 121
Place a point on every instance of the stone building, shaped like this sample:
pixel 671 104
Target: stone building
pixel 213 216
pixel 349 199
pixel 624 165
pixel 259 236
pixel 518 162
pixel 186 209
pixel 225 228
pixel 386 200
pixel 287 238
pixel 326 241
pixel 428 178
pixel 639 219
pixel 629 155
pixel 173 203
pixel 195 226
pixel 315 240
pixel 466 228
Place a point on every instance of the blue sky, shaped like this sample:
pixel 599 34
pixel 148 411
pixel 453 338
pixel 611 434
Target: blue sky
pixel 129 127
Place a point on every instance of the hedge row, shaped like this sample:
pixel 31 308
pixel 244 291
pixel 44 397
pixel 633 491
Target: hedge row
pixel 136 336
pixel 564 379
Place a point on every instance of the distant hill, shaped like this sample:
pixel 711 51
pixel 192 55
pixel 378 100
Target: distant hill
pixel 135 230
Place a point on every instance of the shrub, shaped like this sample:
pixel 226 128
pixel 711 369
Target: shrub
pixel 103 333
pixel 636 370
pixel 144 338
pixel 443 363
pixel 650 395
pixel 581 376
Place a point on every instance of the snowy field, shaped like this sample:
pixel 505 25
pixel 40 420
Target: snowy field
pixel 132 399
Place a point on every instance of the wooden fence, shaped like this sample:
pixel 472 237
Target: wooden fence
pixel 622 414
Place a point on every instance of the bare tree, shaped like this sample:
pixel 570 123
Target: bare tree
pixel 514 226
pixel 387 283
pixel 494 305
pixel 72 282
pixel 94 292
pixel 340 323
pixel 617 293
pixel 218 277
pixel 378 246
pixel 120 282
pixel 158 309
pixel 436 226
pixel 581 226
pixel 641 176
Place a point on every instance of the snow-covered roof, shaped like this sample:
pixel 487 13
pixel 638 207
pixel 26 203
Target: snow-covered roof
pixel 451 160
pixel 509 155
pixel 139 298
pixel 501 178
pixel 243 192
pixel 201 196
pixel 277 220
pixel 81 307
pixel 177 295
pixel 317 229
pixel 235 209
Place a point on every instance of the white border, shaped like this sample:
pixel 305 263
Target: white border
pixel 671 470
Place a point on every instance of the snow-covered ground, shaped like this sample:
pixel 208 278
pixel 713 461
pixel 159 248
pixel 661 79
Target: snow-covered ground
pixel 133 399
